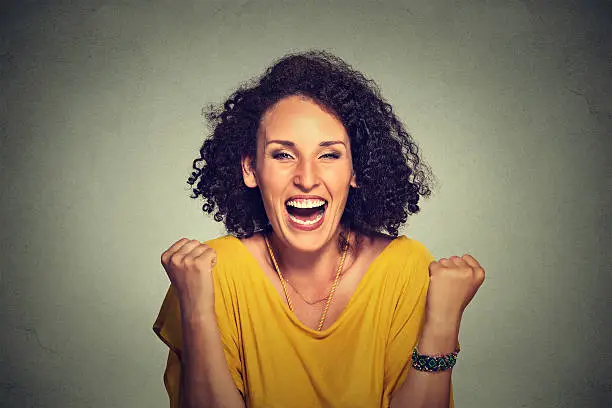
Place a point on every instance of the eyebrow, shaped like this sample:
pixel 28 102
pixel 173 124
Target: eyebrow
pixel 289 143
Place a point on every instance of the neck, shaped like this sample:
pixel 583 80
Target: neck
pixel 319 266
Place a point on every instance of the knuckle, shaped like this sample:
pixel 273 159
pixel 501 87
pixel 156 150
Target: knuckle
pixel 175 260
pixel 207 256
pixel 189 261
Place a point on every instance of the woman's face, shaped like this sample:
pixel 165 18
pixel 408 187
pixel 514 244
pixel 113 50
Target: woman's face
pixel 303 170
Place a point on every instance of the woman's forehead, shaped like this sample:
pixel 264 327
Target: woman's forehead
pixel 299 117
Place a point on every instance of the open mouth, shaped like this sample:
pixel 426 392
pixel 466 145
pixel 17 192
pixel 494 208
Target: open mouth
pixel 306 212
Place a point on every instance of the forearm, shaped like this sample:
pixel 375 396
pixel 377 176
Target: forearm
pixel 429 389
pixel 206 379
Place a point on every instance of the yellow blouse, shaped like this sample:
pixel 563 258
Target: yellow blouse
pixel 276 361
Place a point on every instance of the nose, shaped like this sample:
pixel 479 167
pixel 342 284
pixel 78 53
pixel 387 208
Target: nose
pixel 306 175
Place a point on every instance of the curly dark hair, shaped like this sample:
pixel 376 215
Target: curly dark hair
pixel 390 175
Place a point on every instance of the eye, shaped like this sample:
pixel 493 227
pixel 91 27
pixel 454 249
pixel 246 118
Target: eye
pixel 331 155
pixel 281 156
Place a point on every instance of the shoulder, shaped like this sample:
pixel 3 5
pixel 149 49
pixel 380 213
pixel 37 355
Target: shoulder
pixel 232 257
pixel 222 242
pixel 407 251
pixel 227 247
pixel 407 262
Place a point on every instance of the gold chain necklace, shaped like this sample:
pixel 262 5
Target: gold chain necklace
pixel 331 292
pixel 310 302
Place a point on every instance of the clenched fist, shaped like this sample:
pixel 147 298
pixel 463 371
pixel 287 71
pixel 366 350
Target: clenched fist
pixel 188 264
pixel 453 282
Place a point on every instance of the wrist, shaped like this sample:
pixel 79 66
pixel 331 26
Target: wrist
pixel 443 320
pixel 196 315
pixel 439 337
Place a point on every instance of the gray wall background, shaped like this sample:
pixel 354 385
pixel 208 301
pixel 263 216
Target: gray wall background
pixel 100 120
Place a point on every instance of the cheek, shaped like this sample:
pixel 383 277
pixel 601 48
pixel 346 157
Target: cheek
pixel 338 178
pixel 272 184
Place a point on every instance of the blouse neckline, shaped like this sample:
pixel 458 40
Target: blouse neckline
pixel 280 302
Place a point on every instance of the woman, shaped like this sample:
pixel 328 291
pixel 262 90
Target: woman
pixel 312 300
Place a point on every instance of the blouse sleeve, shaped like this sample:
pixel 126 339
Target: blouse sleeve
pixel 167 326
pixel 408 319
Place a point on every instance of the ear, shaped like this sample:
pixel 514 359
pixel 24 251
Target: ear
pixel 353 180
pixel 248 172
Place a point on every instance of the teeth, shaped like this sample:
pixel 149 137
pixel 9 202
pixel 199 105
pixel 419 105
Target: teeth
pixel 310 222
pixel 306 203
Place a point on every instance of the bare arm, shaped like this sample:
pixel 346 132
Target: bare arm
pixel 429 390
pixel 453 284
pixel 206 379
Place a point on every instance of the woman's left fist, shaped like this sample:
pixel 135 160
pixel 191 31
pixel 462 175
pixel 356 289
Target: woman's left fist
pixel 453 282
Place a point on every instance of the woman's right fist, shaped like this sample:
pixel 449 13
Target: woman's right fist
pixel 188 264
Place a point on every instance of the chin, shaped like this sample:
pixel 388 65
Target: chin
pixel 311 240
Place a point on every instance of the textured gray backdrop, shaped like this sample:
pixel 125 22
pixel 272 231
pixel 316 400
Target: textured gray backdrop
pixel 100 120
